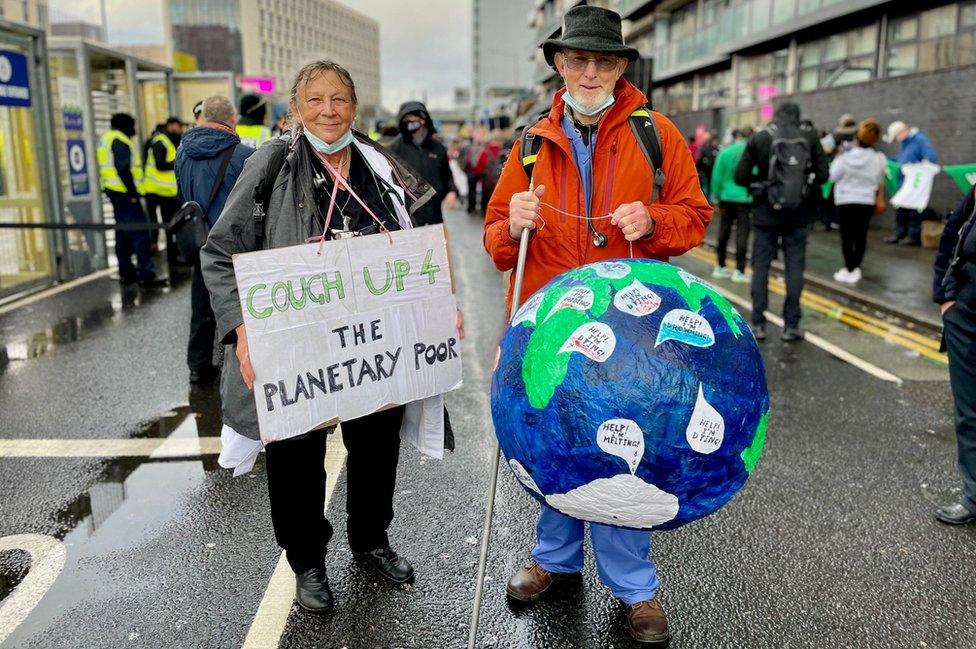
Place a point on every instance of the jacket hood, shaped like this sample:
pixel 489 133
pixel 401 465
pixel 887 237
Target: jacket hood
pixel 860 157
pixel 788 113
pixel 203 143
pixel 417 107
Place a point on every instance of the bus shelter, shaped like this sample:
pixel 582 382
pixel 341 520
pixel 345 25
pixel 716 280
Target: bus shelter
pixel 28 193
pixel 89 83
pixel 192 87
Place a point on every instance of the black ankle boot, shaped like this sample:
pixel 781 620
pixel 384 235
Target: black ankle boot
pixel 313 592
pixel 388 563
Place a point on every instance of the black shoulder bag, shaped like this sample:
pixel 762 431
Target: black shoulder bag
pixel 190 225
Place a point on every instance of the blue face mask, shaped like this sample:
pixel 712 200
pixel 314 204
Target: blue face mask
pixel 324 147
pixel 575 105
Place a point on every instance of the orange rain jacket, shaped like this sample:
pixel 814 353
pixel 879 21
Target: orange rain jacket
pixel 621 174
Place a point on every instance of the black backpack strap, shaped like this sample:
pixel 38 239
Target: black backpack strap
pixel 263 190
pixel 219 178
pixel 644 126
pixel 529 145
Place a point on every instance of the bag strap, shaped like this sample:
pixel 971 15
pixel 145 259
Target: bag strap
pixel 529 145
pixel 645 130
pixel 265 187
pixel 219 178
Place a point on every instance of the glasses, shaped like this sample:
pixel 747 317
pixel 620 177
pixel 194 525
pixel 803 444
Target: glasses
pixel 578 62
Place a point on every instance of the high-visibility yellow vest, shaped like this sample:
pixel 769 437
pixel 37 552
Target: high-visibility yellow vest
pixel 107 173
pixel 253 135
pixel 160 183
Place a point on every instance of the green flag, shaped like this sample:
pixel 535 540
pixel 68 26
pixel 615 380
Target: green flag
pixel 891 177
pixel 964 175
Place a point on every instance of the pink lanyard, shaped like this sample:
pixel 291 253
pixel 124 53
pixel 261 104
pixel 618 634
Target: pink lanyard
pixel 338 180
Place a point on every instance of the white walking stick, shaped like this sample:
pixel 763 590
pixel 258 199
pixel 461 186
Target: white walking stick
pixel 490 508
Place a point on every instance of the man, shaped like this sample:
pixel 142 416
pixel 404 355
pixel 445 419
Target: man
pixel 470 155
pixel 914 147
pixel 735 205
pixel 489 167
pixel 843 135
pixel 160 180
pixel 785 203
pixel 198 113
pixel 417 146
pixel 590 164
pixel 198 163
pixel 250 126
pixel 954 290
pixel 120 175
pixel 705 162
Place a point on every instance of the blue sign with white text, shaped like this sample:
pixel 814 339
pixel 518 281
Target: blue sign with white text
pixel 14 81
pixel 77 168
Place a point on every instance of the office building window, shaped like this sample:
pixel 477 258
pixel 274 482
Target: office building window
pixel 932 40
pixel 713 90
pixel 761 78
pixel 837 60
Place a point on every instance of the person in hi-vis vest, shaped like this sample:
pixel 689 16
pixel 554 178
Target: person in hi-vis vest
pixel 250 127
pixel 120 175
pixel 159 181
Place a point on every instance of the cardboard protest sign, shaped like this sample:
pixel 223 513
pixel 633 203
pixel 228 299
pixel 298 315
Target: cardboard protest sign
pixel 338 335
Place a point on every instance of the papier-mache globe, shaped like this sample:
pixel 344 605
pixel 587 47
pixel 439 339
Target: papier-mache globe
pixel 631 393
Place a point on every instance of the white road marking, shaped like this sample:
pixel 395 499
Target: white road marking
pixel 47 556
pixel 817 341
pixel 54 290
pixel 269 622
pixel 143 447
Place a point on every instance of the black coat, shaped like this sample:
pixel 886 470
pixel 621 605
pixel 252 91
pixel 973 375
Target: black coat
pixel 955 262
pixel 429 160
pixel 753 167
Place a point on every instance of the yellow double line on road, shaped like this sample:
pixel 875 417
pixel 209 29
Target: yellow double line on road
pixel 912 340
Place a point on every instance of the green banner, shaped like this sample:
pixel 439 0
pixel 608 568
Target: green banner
pixel 891 177
pixel 964 175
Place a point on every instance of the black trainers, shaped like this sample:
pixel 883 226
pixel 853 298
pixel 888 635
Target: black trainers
pixel 312 591
pixel 388 563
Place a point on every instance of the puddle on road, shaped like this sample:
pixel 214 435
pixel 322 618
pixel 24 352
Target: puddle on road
pixel 77 327
pixel 130 501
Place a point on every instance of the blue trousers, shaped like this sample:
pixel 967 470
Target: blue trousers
pixel 131 242
pixel 622 559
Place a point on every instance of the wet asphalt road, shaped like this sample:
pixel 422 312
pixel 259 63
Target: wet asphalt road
pixel 831 543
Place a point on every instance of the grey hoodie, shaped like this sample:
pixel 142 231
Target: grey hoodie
pixel 856 175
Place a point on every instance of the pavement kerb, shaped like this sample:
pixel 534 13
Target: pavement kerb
pixel 930 325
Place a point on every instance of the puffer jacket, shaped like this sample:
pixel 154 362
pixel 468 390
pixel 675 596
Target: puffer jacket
pixel 621 174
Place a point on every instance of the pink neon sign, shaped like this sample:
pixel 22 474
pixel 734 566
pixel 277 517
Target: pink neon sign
pixel 264 85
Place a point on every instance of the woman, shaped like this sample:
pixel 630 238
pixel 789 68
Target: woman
pixel 321 146
pixel 856 174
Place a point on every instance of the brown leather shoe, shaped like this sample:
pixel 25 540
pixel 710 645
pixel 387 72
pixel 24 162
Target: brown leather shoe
pixel 648 623
pixel 531 581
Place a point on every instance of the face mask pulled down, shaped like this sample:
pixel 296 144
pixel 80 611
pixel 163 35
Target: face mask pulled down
pixel 588 112
pixel 321 145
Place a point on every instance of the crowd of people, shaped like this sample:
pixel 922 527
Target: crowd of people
pixel 262 187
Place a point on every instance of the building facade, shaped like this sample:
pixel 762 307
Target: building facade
pixel 273 38
pixel 502 39
pixel 720 64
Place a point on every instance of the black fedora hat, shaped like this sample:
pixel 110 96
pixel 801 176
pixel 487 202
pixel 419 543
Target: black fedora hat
pixel 592 29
